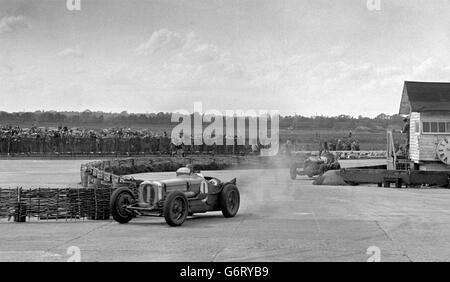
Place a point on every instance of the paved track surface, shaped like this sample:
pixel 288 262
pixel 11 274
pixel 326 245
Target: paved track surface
pixel 40 173
pixel 279 220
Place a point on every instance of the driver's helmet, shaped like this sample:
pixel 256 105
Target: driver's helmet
pixel 190 167
pixel 183 171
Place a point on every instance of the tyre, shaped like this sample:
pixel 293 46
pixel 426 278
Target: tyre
pixel 322 169
pixel 308 169
pixel 293 172
pixel 120 198
pixel 229 200
pixel 309 172
pixel 176 208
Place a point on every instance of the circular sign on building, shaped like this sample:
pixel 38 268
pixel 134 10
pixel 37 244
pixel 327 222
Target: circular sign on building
pixel 443 151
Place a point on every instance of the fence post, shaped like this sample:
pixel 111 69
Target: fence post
pixel 19 215
pixel 79 204
pixel 95 201
pixel 57 204
pixel 30 207
pixel 39 202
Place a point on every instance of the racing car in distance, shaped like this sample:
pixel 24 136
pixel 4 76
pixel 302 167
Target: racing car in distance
pixel 315 165
pixel 186 194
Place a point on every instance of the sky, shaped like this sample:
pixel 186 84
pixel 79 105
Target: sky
pixel 305 57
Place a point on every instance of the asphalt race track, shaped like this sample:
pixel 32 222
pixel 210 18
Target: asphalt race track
pixel 40 173
pixel 279 220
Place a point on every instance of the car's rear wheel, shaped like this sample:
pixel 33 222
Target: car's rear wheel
pixel 176 208
pixel 229 200
pixel 121 198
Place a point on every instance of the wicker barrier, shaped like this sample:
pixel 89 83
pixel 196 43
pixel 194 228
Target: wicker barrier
pixel 55 203
pixel 8 201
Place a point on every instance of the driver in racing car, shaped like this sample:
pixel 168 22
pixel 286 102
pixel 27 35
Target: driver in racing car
pixel 191 168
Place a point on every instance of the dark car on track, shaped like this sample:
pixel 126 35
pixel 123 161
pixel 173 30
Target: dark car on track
pixel 314 165
pixel 186 194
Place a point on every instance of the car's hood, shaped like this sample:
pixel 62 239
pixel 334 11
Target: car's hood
pixel 174 181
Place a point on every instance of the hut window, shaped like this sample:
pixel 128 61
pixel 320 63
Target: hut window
pixel 426 127
pixel 436 127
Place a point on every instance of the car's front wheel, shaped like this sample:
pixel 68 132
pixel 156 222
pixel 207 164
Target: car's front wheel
pixel 229 200
pixel 120 198
pixel 176 208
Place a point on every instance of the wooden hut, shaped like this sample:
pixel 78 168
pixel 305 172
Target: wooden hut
pixel 428 106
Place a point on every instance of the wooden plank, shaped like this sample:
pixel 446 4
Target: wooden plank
pixel 415 177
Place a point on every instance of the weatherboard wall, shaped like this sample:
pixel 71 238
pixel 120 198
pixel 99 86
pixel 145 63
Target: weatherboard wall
pixel 414 152
pixel 423 145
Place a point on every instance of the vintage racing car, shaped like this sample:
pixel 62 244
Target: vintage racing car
pixel 314 165
pixel 188 193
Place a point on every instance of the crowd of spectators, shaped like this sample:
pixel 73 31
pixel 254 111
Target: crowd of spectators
pixel 122 141
pixel 64 140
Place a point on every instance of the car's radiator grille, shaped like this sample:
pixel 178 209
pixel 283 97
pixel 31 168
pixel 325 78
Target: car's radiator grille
pixel 152 195
pixel 145 194
pixel 148 194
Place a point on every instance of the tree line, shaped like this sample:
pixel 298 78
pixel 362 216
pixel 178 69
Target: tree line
pixel 104 119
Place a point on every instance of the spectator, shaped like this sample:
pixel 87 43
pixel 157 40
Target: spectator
pixel 405 130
